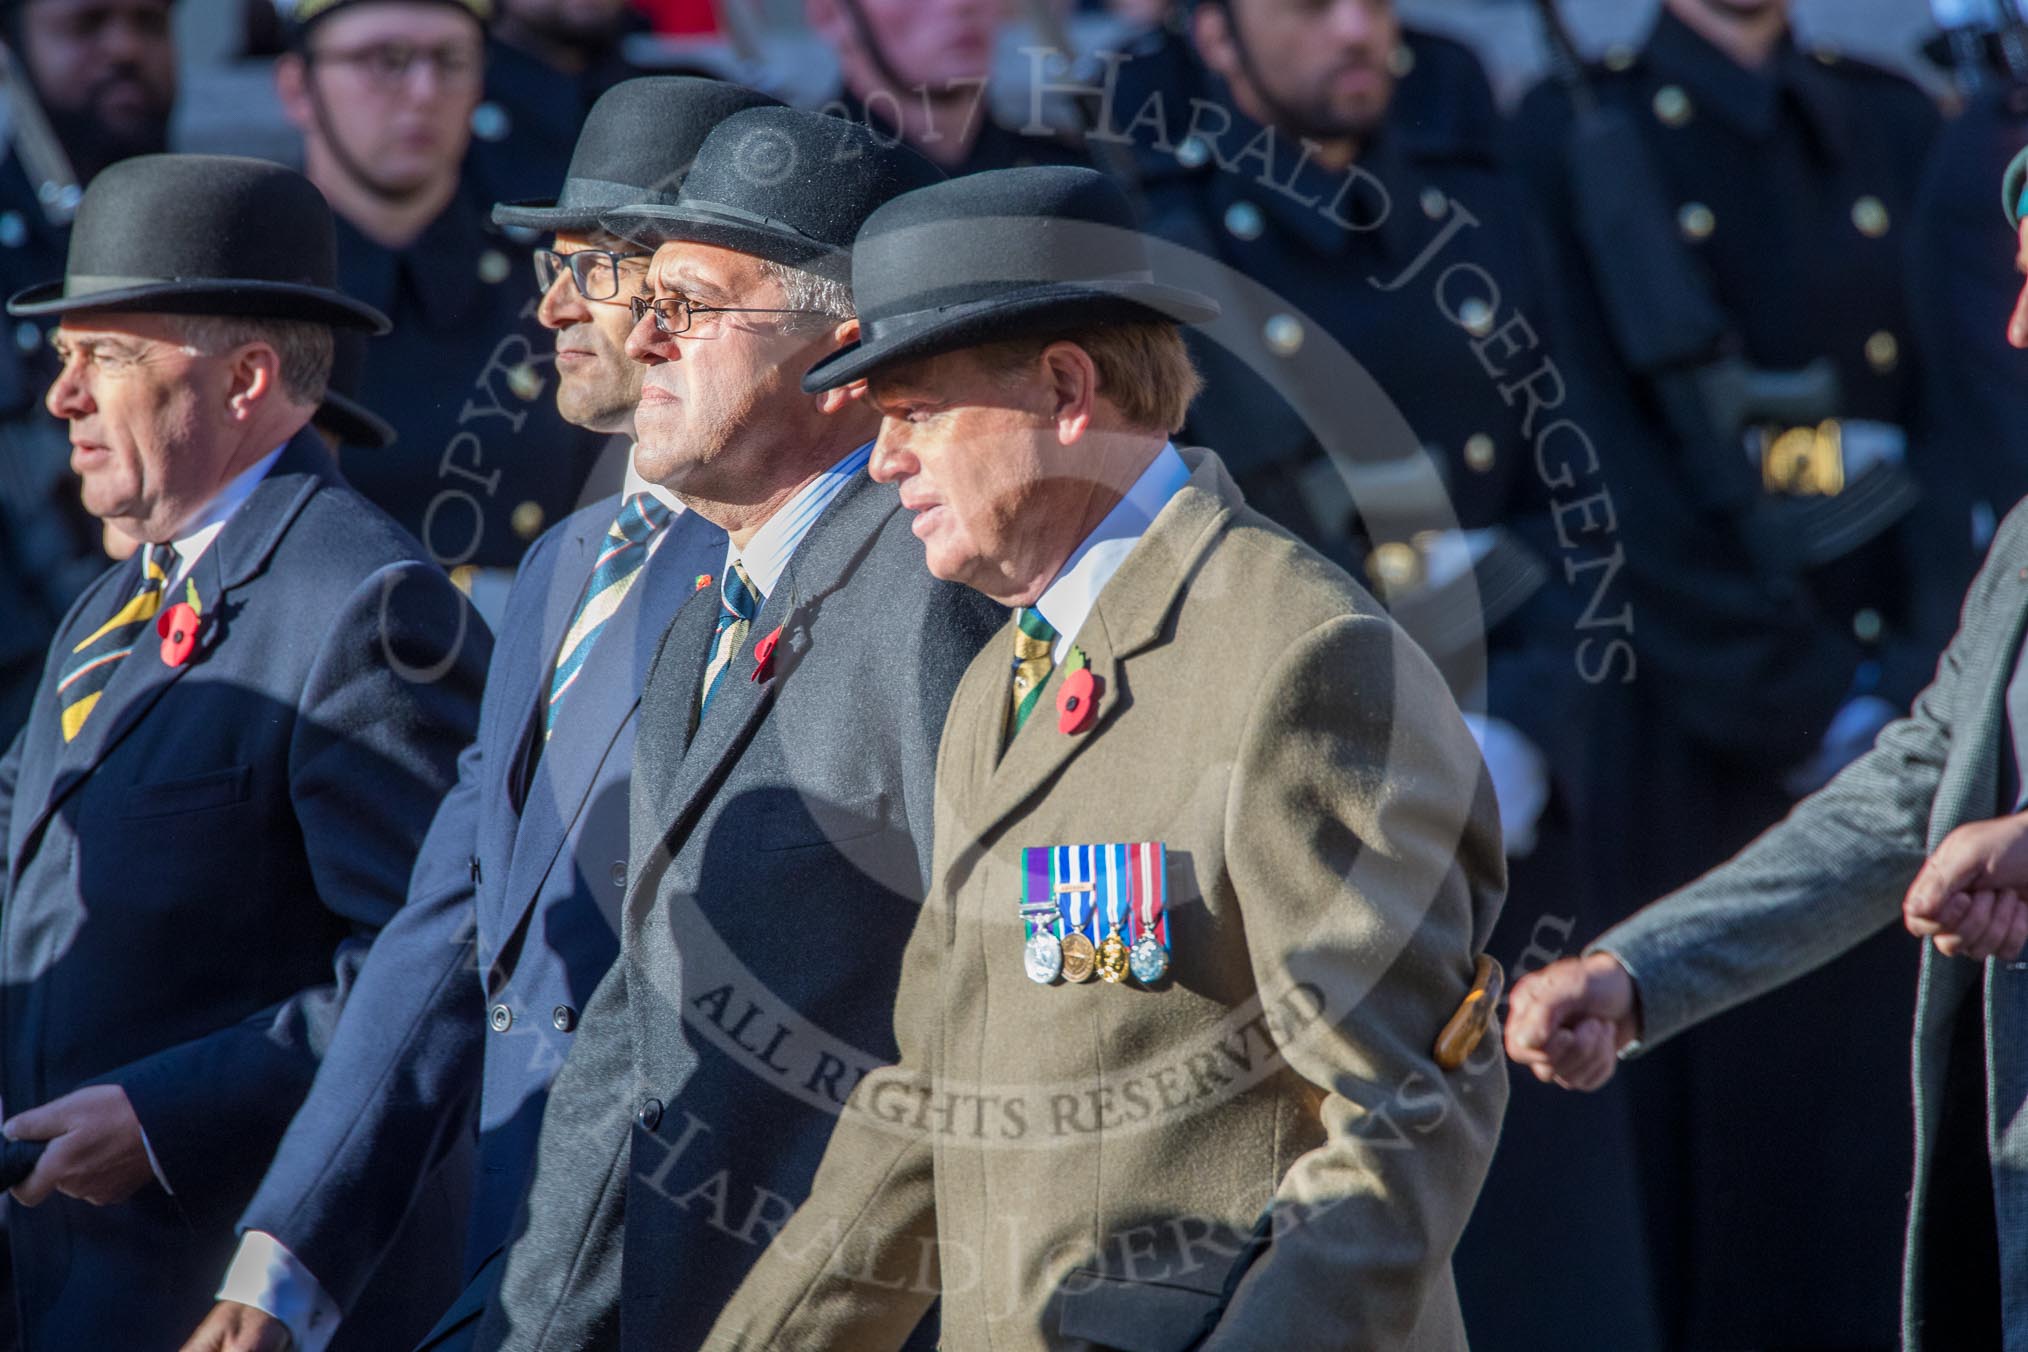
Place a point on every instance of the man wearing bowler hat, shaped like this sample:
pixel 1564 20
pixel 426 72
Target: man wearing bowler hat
pixel 1215 856
pixel 240 736
pixel 475 990
pixel 781 800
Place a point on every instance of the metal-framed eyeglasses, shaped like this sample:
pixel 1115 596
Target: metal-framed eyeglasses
pixel 680 315
pixel 594 272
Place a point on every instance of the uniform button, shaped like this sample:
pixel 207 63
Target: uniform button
pixel 1828 55
pixel 650 1115
pixel 1866 625
pixel 1672 106
pixel 1434 203
pixel 1479 452
pixel 1476 317
pixel 1696 222
pixel 13 229
pixel 1244 221
pixel 1401 61
pixel 502 1018
pixel 527 520
pixel 490 122
pixel 1394 566
pixel 525 381
pixel 1620 57
pixel 1869 213
pixel 493 267
pixel 619 873
pixel 564 1017
pixel 1192 153
pixel 1883 352
pixel 1284 334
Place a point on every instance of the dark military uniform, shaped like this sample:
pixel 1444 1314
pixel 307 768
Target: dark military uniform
pixel 1791 187
pixel 995 146
pixel 1962 288
pixel 466 378
pixel 49 546
pixel 526 126
pixel 1416 470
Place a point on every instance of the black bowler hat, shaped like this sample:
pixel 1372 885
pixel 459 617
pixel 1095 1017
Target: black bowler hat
pixel 637 143
pixel 202 235
pixel 781 184
pixel 341 414
pixel 1000 254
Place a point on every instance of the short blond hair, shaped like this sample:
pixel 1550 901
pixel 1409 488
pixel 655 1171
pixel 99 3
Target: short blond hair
pixel 1144 370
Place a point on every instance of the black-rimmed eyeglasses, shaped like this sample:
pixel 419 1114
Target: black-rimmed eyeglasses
pixel 594 272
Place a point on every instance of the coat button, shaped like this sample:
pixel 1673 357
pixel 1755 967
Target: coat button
pixel 564 1017
pixel 619 873
pixel 502 1018
pixel 650 1115
pixel 1696 221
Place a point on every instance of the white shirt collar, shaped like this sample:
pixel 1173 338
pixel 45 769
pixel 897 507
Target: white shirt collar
pixel 634 483
pixel 203 528
pixel 766 556
pixel 1066 603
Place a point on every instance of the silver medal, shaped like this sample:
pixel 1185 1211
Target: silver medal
pixel 1043 957
pixel 1148 960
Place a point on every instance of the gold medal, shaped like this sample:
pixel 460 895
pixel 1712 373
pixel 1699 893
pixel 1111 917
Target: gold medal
pixel 1112 959
pixel 1080 959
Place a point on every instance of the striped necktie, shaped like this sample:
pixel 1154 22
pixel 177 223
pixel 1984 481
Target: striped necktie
pixel 626 548
pixel 1034 659
pixel 738 603
pixel 93 661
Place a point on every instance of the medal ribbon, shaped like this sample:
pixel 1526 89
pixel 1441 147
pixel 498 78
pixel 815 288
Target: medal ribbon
pixel 1074 865
pixel 1148 878
pixel 1038 897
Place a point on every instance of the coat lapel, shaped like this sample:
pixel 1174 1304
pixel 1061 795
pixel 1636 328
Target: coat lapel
pixel 1127 617
pixel 823 562
pixel 607 692
pixel 240 550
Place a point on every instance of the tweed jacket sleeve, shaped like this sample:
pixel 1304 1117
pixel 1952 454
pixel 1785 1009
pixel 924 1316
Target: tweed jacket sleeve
pixel 1834 871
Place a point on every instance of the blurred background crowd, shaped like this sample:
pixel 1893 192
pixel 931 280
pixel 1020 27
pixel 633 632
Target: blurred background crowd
pixel 1681 415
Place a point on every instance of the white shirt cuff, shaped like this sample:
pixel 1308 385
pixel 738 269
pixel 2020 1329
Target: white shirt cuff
pixel 265 1275
pixel 154 1164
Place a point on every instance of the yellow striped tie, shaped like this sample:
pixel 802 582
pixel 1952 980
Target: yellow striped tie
pixel 93 662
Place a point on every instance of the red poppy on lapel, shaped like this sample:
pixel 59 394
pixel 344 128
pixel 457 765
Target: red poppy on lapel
pixel 178 626
pixel 764 656
pixel 703 581
pixel 1077 701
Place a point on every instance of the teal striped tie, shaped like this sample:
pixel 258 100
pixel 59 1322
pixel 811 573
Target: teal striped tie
pixel 626 548
pixel 738 603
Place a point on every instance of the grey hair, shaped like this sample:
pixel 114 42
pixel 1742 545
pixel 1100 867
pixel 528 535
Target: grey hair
pixel 302 347
pixel 804 290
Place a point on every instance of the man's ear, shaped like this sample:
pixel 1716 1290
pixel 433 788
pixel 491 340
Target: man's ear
pixel 254 374
pixel 292 86
pixel 833 401
pixel 1073 389
pixel 1211 34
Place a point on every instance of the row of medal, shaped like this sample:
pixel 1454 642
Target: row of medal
pixel 1095 910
